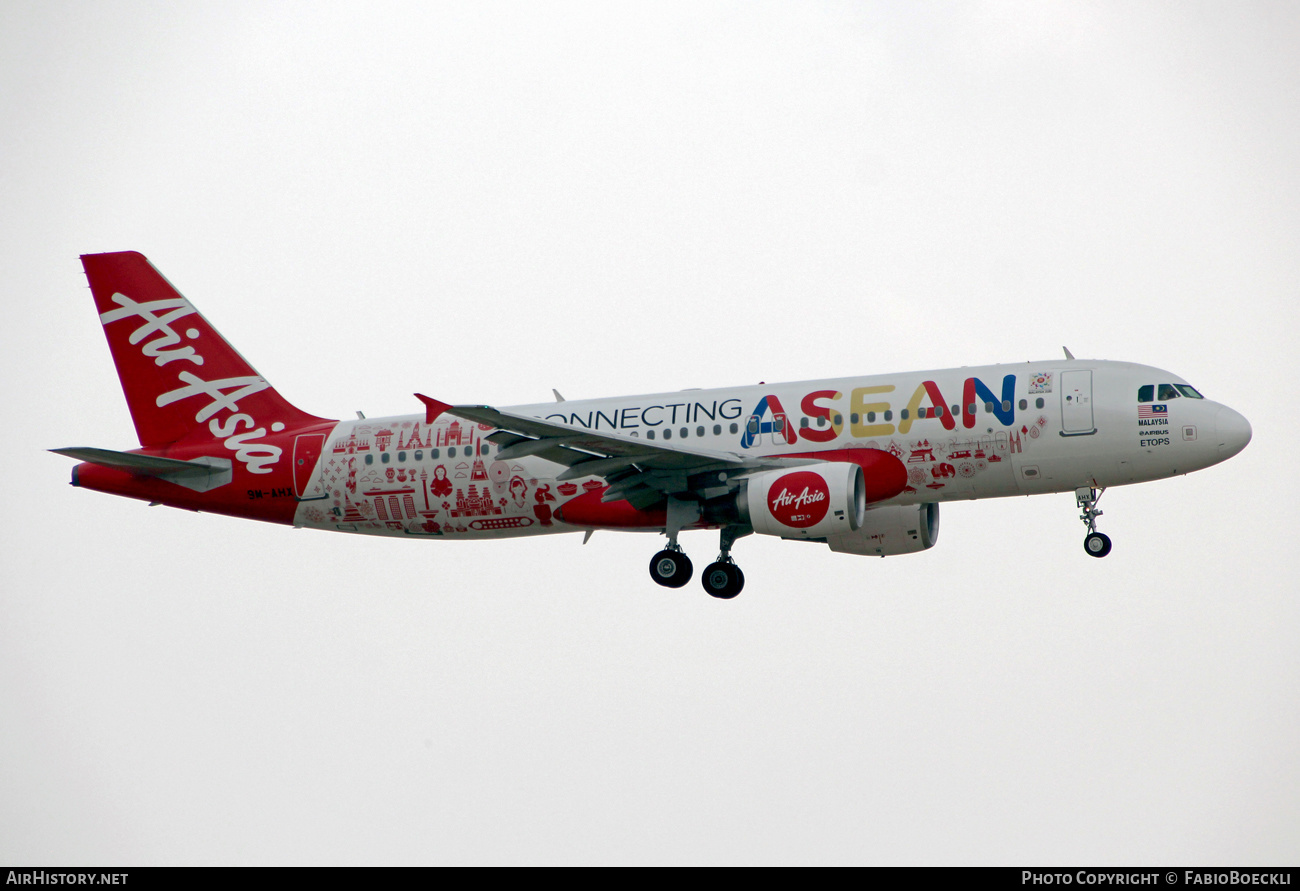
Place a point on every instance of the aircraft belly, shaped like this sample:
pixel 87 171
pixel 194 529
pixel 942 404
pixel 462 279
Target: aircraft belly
pixel 1063 474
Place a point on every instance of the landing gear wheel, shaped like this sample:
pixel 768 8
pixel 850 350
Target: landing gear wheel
pixel 723 580
pixel 672 569
pixel 1097 544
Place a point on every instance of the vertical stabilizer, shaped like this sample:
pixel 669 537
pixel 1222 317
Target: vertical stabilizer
pixel 181 378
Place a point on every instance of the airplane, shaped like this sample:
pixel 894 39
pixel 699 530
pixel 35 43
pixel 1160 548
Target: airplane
pixel 858 464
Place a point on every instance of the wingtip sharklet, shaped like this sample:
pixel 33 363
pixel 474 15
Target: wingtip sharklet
pixel 433 409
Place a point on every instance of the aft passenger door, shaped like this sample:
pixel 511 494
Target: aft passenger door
pixel 308 484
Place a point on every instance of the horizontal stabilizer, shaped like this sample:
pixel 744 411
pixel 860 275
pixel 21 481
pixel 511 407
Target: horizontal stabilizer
pixel 199 474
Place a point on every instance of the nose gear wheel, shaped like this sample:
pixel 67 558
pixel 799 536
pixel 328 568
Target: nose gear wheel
pixel 1096 544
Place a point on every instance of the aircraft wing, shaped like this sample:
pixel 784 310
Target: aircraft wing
pixel 637 470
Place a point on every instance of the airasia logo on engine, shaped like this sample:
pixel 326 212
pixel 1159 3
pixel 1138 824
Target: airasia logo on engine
pixel 799 499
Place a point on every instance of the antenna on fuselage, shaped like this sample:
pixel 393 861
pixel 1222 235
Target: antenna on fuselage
pixel 1068 354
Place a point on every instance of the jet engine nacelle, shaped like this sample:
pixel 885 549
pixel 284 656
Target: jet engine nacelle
pixel 886 531
pixel 812 501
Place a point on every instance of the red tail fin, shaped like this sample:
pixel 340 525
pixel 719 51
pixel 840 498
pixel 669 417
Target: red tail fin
pixel 180 377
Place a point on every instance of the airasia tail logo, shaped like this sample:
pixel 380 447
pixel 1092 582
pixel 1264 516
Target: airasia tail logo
pixel 158 340
pixel 799 499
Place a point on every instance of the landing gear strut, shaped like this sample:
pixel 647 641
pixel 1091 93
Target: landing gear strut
pixel 671 567
pixel 1096 543
pixel 723 579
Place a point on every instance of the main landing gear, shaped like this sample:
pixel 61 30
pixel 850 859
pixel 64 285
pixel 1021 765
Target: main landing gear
pixel 671 567
pixel 1097 544
pixel 722 579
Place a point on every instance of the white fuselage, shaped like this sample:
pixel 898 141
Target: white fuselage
pixel 962 433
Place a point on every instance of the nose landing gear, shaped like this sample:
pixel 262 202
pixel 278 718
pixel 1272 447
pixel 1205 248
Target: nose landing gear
pixel 1096 544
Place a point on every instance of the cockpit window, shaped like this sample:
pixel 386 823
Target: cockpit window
pixel 1147 393
pixel 1188 391
pixel 1167 392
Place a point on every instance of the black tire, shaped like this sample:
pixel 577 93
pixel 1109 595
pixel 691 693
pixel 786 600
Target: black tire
pixel 672 569
pixel 723 580
pixel 1097 544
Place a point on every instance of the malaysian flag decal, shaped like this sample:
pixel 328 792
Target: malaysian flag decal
pixel 1153 411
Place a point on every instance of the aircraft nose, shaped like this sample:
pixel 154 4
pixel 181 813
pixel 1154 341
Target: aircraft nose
pixel 1234 432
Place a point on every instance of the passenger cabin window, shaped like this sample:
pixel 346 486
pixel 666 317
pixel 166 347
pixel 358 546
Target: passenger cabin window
pixel 1147 393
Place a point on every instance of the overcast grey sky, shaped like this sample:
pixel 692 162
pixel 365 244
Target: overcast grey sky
pixel 484 201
